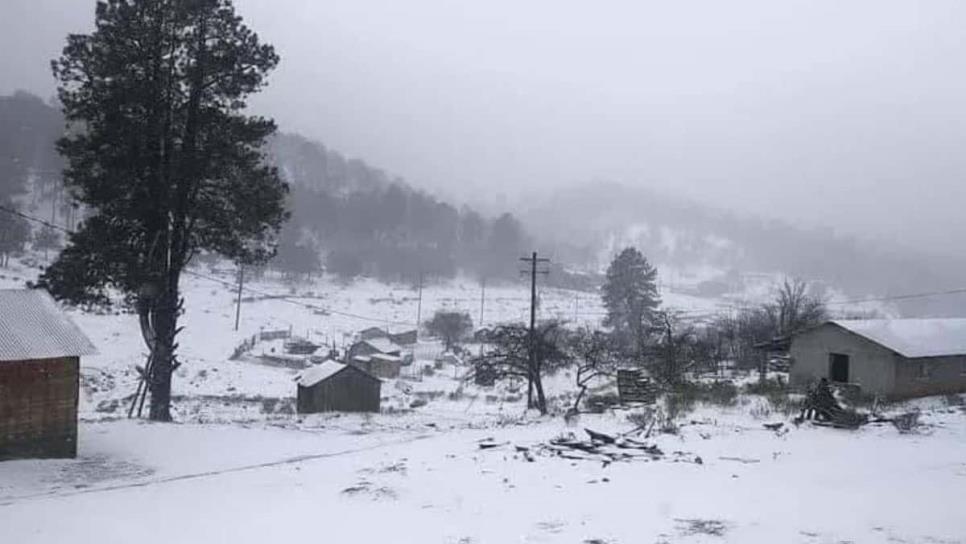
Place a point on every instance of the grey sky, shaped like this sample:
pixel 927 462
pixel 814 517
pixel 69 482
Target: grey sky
pixel 845 114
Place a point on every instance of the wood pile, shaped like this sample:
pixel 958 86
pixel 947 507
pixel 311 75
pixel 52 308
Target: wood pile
pixel 822 408
pixel 633 386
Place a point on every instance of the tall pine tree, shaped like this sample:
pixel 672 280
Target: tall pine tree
pixel 631 299
pixel 161 153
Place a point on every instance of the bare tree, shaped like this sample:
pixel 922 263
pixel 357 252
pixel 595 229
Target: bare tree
pixel 672 356
pixel 509 355
pixel 596 355
pixel 795 308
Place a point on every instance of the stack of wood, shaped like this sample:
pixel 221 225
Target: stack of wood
pixel 634 386
pixel 821 407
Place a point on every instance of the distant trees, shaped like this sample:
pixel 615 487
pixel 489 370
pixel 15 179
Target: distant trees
pixel 14 233
pixel 28 130
pixel 368 223
pixel 631 299
pixel 47 238
pixel 344 263
pixel 295 256
pixel 450 326
pixel 794 307
pixel 164 159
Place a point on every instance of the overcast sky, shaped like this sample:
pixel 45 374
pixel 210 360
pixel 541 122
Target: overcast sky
pixel 844 114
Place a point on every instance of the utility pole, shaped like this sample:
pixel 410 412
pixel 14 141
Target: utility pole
pixel 533 260
pixel 419 305
pixel 482 299
pixel 576 306
pixel 241 282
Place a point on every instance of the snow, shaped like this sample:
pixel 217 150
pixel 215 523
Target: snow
pixel 319 373
pixel 389 483
pixel 241 467
pixel 913 337
pixel 383 344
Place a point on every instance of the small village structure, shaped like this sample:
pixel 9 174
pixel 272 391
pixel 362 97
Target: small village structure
pixel 40 350
pixel 336 387
pixel 378 356
pixel 892 358
pixel 372 333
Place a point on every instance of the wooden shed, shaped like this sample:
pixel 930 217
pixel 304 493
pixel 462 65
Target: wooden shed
pixel 335 387
pixel 40 350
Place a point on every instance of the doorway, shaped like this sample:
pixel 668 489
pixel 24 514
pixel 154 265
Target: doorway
pixel 838 364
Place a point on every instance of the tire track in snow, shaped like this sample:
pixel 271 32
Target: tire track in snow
pixel 13 501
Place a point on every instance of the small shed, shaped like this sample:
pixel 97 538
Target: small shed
pixel 335 387
pixel 895 358
pixel 40 350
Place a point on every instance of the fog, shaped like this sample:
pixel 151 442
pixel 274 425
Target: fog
pixel 844 115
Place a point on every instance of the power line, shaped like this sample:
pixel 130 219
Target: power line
pixel 736 306
pixel 231 284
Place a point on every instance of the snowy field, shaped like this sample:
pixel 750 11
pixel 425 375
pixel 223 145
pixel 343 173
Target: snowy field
pixel 240 467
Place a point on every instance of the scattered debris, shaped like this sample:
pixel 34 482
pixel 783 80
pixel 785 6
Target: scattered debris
pixel 821 406
pixel 743 460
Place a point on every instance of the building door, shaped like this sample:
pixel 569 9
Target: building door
pixel 838 367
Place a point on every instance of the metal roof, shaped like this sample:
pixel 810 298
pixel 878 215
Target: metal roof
pixel 32 326
pixel 912 338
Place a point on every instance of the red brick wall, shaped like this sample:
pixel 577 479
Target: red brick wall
pixel 38 408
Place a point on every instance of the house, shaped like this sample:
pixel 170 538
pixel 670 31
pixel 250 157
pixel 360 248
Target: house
pixel 378 356
pixel 372 333
pixel 405 338
pixel 336 387
pixel 894 358
pixel 40 350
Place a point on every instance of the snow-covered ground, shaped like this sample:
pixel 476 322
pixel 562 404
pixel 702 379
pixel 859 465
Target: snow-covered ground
pixel 240 467
pixel 384 482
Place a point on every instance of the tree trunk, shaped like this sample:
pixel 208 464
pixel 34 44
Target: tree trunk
pixel 165 327
pixel 541 398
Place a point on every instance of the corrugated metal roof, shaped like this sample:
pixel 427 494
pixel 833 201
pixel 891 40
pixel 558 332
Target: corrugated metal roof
pixel 32 326
pixel 913 337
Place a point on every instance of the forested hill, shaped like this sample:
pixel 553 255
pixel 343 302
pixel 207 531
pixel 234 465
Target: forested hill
pixel 347 216
pixel 365 221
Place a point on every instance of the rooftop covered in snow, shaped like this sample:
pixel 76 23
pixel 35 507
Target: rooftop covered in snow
pixel 320 373
pixel 913 337
pixel 32 326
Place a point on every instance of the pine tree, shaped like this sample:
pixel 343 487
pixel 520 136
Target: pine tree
pixel 631 299
pixel 161 154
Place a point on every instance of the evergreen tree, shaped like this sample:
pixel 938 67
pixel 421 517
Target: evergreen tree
pixel 631 299
pixel 163 157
